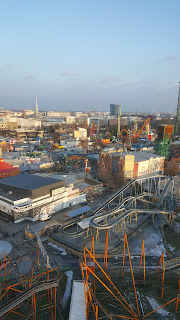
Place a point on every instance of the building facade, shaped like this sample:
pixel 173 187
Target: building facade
pixel 114 110
pixel 27 196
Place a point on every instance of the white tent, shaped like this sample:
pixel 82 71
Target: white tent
pixel 77 307
pixel 84 223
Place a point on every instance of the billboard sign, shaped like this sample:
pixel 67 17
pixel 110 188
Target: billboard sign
pixel 129 166
pixel 143 168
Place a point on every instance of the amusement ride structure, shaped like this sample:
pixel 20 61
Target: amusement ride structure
pixel 29 295
pixel 119 292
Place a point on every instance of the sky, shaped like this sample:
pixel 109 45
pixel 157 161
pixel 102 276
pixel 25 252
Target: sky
pixel 85 54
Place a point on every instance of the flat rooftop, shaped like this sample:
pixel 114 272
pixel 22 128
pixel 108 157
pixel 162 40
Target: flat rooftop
pixel 28 185
pixel 28 181
pixel 138 155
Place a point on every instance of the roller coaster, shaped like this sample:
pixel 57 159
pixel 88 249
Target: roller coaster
pixel 16 289
pixel 125 293
pixel 148 196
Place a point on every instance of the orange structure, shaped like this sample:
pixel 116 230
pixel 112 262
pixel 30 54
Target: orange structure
pixel 143 258
pixel 96 308
pixel 138 133
pixel 26 294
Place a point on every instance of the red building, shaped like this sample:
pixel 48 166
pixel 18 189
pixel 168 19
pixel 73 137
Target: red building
pixel 6 170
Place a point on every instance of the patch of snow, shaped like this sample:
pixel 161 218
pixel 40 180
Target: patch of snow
pixel 5 247
pixel 171 248
pixel 62 251
pixel 140 301
pixel 157 251
pixel 69 275
pixel 155 305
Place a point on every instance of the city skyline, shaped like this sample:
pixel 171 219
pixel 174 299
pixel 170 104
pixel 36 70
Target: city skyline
pixel 83 56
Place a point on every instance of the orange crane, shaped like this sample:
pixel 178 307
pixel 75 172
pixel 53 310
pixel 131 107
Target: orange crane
pixel 137 134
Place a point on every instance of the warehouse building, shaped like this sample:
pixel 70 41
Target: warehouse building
pixel 27 196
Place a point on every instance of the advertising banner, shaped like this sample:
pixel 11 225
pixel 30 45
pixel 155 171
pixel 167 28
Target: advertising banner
pixel 129 166
pixel 143 168
pixel 155 167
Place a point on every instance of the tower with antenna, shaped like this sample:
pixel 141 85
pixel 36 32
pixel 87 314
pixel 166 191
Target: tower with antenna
pixel 177 123
pixel 119 122
pixel 36 109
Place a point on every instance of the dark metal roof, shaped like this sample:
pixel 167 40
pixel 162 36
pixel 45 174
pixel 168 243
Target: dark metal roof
pixel 28 181
pixel 79 211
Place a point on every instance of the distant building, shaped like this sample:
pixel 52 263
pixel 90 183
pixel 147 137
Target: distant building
pixel 14 123
pixel 71 120
pixel 114 109
pixel 113 122
pixel 58 114
pixel 81 133
pixel 83 119
pixel 28 112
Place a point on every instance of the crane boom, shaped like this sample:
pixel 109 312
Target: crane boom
pixel 144 125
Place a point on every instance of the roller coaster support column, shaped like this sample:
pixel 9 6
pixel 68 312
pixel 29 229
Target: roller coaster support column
pixel 126 245
pixel 97 235
pixel 143 257
pixel 106 251
pixel 55 303
pixel 162 259
pixel 47 272
pixel 52 303
pixel 34 307
pixel 96 311
pixel 159 187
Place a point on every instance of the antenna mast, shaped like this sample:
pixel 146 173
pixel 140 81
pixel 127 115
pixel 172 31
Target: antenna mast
pixel 119 122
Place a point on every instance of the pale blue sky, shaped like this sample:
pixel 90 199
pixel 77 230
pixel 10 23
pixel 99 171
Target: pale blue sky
pixel 84 55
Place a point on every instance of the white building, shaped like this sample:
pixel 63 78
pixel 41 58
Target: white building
pixel 58 114
pixel 81 133
pixel 27 196
pixel 71 119
pixel 6 123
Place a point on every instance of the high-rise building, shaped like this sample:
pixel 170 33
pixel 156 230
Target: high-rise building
pixel 114 109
